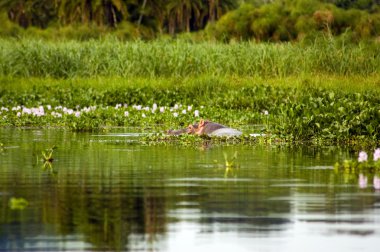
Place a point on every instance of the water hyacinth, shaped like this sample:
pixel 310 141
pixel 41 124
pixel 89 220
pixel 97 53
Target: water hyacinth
pixel 137 107
pixel 54 113
pixel 363 157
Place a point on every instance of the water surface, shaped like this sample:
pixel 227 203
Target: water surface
pixel 108 192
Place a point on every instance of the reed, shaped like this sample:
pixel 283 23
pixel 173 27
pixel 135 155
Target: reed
pixel 179 58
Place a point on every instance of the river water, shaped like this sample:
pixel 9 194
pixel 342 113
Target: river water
pixel 108 192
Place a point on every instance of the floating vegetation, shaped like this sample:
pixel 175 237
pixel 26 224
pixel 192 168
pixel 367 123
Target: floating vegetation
pixel 362 170
pixel 47 159
pixel 230 163
pixel 305 114
pixel 208 141
pixel 47 155
pixel 18 203
pixel 362 164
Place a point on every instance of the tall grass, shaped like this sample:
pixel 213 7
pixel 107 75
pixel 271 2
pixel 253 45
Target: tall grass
pixel 178 58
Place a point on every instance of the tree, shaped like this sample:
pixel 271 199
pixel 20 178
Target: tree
pixel 30 12
pixel 102 12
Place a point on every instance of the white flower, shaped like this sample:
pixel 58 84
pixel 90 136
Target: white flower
pixel 175 114
pixel 184 111
pixel 143 115
pixel 265 112
pixel 126 113
pixel 77 114
pixel 68 111
pixel 118 106
pixel 189 108
pixel 154 108
pixel 26 111
pixel 363 157
pixel 196 113
pixel 18 114
pixel 48 107
pixel 176 107
pixel 55 114
pixel 162 109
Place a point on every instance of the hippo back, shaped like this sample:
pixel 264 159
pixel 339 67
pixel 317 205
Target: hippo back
pixel 225 132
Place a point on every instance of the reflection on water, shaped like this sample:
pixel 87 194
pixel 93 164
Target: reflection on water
pixel 105 192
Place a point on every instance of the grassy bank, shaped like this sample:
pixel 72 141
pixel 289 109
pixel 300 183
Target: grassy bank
pixel 178 58
pixel 292 108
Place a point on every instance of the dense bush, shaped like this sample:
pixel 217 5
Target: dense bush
pixel 289 20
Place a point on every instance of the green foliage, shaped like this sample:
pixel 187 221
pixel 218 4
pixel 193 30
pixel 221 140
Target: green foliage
pixel 303 113
pixel 363 166
pixel 18 203
pixel 289 20
pixel 111 57
pixel 145 16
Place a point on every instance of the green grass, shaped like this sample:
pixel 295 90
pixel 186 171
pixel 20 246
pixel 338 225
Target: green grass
pixel 178 58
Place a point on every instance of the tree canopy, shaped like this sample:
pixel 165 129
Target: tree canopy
pixel 262 20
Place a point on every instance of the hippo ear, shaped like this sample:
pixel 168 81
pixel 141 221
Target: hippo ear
pixel 201 123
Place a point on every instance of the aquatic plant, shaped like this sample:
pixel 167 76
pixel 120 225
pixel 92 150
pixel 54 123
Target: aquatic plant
pixel 47 155
pixel 230 163
pixel 361 165
pixel 294 114
pixel 18 203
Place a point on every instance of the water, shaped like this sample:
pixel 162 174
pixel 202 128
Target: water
pixel 107 192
